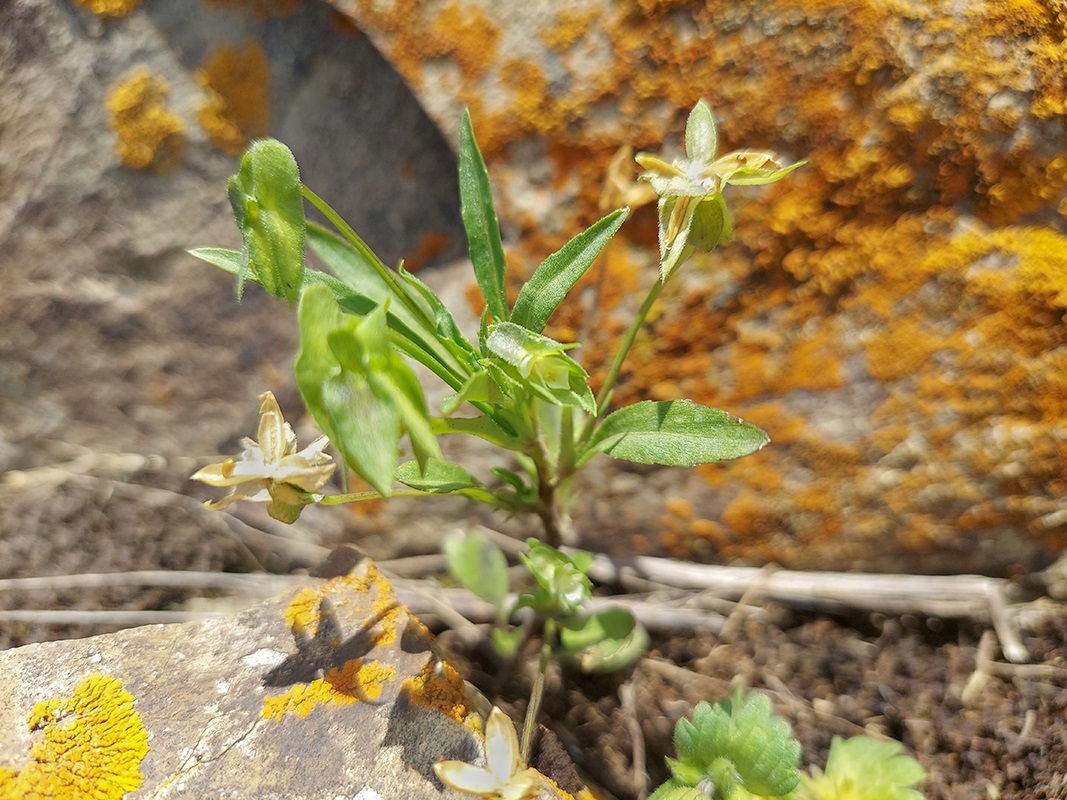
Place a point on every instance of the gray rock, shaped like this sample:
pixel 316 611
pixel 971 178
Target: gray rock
pixel 328 691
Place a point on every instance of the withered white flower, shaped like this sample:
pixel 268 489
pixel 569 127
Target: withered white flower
pixel 692 211
pixel 271 470
pixel 503 777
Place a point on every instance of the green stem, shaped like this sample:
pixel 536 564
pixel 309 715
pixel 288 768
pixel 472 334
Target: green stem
pixel 369 255
pixel 356 497
pixel 604 397
pixel 537 693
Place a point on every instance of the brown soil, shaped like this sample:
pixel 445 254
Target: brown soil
pixel 886 676
pixel 896 677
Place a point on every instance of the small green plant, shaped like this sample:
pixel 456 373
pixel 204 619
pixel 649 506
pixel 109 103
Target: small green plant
pixel 528 396
pixel 738 749
pixel 520 390
pixel 559 588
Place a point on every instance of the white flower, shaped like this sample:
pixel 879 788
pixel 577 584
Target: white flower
pixel 272 471
pixel 503 777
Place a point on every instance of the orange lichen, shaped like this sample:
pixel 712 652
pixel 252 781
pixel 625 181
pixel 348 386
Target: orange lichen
pixel 90 744
pixel 260 9
pixel 236 82
pixel 894 307
pixel 354 681
pixel 149 135
pixel 439 687
pixel 109 8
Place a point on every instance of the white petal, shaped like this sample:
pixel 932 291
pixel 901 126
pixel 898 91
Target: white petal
pixel 501 746
pixel 467 778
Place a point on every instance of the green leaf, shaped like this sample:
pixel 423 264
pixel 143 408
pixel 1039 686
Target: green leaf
pixel 701 136
pixel 865 769
pixel 367 290
pixel 438 477
pixel 233 261
pixel 675 433
pixel 603 642
pixel 479 219
pixel 481 426
pixel 447 331
pixel 359 389
pixel 478 564
pixel 268 206
pixel 737 740
pixel 550 283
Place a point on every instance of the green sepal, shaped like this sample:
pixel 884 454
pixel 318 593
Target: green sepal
pixel 539 365
pixel 674 433
pixel 480 222
pixel 558 273
pixel 562 585
pixel 267 204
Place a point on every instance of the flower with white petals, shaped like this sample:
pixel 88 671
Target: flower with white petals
pixel 692 212
pixel 503 777
pixel 272 470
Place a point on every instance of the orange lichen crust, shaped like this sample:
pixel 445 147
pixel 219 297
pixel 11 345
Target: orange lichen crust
pixel 88 745
pixel 356 680
pixel 441 688
pixel 237 110
pixel 109 8
pixel 892 313
pixel 149 135
pixel 260 9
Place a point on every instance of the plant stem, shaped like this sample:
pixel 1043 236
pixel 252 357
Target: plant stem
pixel 537 692
pixel 604 397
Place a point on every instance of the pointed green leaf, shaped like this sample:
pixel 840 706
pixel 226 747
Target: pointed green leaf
pixel 560 271
pixel 268 205
pixel 479 219
pixel 439 477
pixel 233 261
pixel 478 564
pixel 676 433
pixel 701 136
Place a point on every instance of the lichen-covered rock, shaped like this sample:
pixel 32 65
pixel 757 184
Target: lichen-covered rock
pixel 328 691
pixel 892 313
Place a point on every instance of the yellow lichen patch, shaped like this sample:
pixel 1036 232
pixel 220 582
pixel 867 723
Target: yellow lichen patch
pixel 109 8
pixel 149 135
pixel 382 614
pixel 356 680
pixel 439 687
pixel 88 745
pixel 236 82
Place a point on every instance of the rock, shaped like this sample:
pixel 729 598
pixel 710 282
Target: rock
pixel 328 691
pixel 892 313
